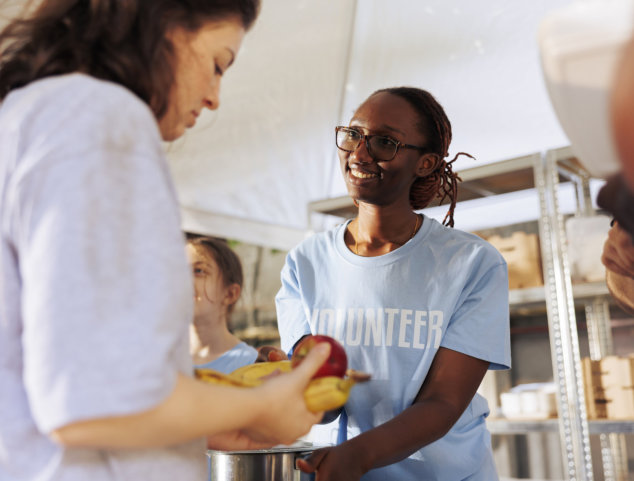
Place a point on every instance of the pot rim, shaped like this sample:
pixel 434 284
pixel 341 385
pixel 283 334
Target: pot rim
pixel 295 448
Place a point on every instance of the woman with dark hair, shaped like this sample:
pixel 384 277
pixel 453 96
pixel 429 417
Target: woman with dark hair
pixel 419 305
pixel 95 289
pixel 217 273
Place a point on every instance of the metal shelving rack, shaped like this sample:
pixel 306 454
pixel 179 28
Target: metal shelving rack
pixel 574 428
pixel 562 325
pixel 511 426
pixel 543 172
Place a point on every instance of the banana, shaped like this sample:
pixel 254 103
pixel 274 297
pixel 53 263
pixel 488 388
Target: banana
pixel 252 373
pixel 215 377
pixel 327 393
pixel 321 394
pixel 247 376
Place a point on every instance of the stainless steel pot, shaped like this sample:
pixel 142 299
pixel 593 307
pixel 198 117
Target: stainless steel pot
pixel 275 464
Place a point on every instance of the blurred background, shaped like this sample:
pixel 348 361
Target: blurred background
pixel 525 85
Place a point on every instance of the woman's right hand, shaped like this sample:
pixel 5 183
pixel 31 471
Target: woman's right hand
pixel 283 415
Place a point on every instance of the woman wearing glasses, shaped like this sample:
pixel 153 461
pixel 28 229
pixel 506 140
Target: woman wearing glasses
pixel 419 305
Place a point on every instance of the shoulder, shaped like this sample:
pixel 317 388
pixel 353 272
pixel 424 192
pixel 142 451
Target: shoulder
pixel 246 349
pixel 317 244
pixel 76 91
pixel 80 109
pixel 456 243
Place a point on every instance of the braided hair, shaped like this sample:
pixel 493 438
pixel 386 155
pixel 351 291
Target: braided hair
pixel 442 182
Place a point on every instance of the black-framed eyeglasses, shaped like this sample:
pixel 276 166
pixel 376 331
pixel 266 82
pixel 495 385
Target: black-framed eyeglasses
pixel 380 147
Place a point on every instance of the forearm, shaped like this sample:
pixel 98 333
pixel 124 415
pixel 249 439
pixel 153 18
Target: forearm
pixel 192 410
pixel 272 413
pixel 419 425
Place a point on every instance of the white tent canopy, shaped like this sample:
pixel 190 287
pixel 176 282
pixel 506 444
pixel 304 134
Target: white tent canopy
pixel 248 170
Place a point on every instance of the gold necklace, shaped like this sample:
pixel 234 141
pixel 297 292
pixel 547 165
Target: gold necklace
pixel 416 226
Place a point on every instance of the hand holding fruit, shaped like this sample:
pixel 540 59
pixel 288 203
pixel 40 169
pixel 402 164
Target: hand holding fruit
pixel 335 365
pixel 284 410
pixel 328 389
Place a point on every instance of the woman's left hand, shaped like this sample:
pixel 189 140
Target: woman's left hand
pixel 333 464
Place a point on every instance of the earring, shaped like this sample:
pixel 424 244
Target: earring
pixel 354 201
pixel 198 298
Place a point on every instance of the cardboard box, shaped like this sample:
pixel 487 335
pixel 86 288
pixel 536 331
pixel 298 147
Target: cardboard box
pixel 522 255
pixel 592 375
pixel 596 401
pixel 620 402
pixel 617 371
pixel 609 387
pixel 597 408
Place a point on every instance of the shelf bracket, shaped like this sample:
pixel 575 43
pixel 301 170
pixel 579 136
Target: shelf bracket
pixel 562 325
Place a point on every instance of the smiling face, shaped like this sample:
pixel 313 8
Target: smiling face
pixel 383 183
pixel 201 58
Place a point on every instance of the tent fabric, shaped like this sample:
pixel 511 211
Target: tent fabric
pixel 248 170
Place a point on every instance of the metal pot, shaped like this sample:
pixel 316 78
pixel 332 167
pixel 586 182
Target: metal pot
pixel 275 464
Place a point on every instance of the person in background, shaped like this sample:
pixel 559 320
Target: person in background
pixel 420 306
pixel 617 195
pixel 217 272
pixel 95 289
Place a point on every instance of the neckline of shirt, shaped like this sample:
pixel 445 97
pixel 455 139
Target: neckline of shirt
pixel 393 256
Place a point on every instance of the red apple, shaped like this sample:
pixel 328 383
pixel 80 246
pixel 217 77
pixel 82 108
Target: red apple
pixel 335 365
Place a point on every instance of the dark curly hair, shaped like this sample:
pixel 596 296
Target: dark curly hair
pixel 123 41
pixel 442 182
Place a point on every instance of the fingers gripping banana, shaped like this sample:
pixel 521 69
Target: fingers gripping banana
pixel 246 376
pixel 321 394
pixel 326 393
pixel 215 377
pixel 258 371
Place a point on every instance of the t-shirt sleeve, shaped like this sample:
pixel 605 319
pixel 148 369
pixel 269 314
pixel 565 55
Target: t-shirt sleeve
pixel 103 267
pixel 291 316
pixel 480 325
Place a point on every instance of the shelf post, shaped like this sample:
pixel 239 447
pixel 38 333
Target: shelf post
pixel 613 447
pixel 562 325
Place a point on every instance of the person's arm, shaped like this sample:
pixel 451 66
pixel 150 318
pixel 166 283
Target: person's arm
pixel 241 418
pixel 451 383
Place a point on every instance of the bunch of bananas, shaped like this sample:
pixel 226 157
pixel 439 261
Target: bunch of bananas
pixel 322 394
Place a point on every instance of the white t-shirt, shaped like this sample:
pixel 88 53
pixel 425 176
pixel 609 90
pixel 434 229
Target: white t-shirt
pixel 95 289
pixel 443 288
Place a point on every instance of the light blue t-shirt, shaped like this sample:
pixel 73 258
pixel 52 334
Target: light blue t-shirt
pixel 443 288
pixel 239 355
